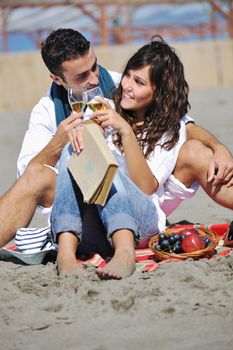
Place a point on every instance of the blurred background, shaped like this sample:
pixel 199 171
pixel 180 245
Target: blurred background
pixel 107 22
pixel 201 31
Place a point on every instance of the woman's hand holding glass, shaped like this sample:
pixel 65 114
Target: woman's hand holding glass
pixel 109 118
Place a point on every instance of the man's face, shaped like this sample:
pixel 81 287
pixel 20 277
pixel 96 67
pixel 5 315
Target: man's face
pixel 81 72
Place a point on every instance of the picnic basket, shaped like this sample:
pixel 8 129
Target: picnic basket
pixel 203 253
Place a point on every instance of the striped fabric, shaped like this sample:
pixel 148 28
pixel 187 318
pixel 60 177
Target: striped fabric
pixel 33 240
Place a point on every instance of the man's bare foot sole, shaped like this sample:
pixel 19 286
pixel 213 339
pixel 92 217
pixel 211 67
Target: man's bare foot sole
pixel 122 265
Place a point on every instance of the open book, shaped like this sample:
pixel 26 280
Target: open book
pixel 94 168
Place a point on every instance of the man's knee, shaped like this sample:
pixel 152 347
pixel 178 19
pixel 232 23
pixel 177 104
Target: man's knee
pixel 39 177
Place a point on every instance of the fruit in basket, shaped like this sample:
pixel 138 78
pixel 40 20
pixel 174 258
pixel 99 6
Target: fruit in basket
pixel 169 243
pixel 176 249
pixel 187 240
pixel 164 244
pixel 175 243
pixel 207 241
pixel 192 242
pixel 188 231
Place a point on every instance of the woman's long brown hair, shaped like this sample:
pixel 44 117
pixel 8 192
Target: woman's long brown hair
pixel 170 101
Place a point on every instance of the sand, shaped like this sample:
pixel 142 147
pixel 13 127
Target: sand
pixel 186 305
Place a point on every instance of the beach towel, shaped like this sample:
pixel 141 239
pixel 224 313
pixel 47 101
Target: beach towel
pixel 145 259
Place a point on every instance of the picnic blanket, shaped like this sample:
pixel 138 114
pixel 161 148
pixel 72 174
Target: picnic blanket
pixel 145 259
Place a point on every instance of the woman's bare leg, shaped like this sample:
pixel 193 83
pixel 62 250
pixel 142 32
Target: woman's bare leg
pixel 122 263
pixel 192 165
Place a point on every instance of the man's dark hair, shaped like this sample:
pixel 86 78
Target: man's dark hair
pixel 63 45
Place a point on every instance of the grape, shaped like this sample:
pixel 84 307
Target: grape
pixel 182 237
pixel 177 248
pixel 207 241
pixel 172 238
pixel 158 246
pixel 161 236
pixel 164 244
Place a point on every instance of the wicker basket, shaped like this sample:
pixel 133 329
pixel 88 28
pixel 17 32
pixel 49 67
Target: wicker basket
pixel 203 253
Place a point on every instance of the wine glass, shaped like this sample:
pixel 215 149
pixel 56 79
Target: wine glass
pixel 96 105
pixel 77 99
pixel 90 97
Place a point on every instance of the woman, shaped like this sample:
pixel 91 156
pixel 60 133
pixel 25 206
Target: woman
pixel 151 104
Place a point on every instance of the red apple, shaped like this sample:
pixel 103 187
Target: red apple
pixel 192 243
pixel 188 231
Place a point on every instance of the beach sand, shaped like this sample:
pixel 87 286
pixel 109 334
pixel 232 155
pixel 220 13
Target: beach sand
pixel 186 305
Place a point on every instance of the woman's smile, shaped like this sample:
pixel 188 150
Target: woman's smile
pixel 137 90
pixel 127 96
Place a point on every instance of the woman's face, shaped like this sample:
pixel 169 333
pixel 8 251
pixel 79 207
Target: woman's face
pixel 137 91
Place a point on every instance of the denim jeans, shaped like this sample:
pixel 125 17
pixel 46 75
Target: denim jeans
pixel 127 207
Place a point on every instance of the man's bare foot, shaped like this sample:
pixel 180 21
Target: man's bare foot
pixel 120 266
pixel 67 266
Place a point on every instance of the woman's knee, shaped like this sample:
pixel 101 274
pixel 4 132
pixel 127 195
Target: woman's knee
pixel 193 162
pixel 194 154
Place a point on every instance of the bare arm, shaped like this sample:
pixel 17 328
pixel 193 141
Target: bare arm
pixel 221 165
pixel 138 169
pixel 198 133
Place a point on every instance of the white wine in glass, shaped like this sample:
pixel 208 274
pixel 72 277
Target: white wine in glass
pixel 96 105
pixel 77 99
pixel 91 101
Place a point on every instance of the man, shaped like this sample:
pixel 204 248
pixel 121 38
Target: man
pixel 72 63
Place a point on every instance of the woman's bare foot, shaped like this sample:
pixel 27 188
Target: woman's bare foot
pixel 120 266
pixel 67 266
pixel 66 258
